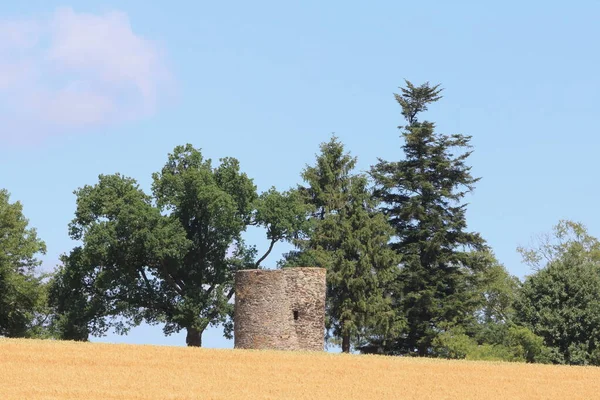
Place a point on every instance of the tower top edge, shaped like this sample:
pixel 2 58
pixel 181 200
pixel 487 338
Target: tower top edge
pixel 281 269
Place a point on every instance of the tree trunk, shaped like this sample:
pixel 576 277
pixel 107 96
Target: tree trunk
pixel 423 350
pixel 193 337
pixel 346 343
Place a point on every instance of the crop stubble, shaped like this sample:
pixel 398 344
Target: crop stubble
pixel 53 370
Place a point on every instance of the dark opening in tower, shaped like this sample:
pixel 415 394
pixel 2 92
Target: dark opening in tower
pixel 295 315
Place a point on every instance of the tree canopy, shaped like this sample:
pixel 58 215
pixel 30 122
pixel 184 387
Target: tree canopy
pixel 561 301
pixel 22 289
pixel 167 258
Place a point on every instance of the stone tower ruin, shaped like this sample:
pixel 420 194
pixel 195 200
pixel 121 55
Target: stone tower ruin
pixel 280 309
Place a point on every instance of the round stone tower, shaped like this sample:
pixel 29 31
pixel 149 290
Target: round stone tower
pixel 281 309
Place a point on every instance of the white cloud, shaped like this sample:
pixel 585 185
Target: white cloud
pixel 76 70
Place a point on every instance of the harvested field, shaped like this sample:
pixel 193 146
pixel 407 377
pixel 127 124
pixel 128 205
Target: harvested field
pixel 33 369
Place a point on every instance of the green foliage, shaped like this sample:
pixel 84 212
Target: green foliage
pixel 421 195
pixel 516 344
pixel 454 344
pixel 167 258
pixel 527 344
pixel 405 275
pixel 499 290
pixel 494 335
pixel 349 237
pixel 561 301
pixel 567 239
pixel 78 304
pixel 22 290
pixel 283 215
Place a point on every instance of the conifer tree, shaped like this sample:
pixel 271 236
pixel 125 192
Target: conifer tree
pixel 350 238
pixel 422 199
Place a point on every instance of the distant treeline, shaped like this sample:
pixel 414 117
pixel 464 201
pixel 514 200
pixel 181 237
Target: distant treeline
pixel 404 274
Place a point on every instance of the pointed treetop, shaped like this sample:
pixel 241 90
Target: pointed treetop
pixel 415 99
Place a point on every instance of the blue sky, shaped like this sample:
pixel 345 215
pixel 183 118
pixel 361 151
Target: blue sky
pixel 91 87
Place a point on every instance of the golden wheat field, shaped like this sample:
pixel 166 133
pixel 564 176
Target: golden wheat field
pixel 34 369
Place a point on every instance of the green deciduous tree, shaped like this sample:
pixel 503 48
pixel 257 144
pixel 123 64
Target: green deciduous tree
pixel 499 290
pixel 76 298
pixel 561 301
pixel 516 344
pixel 350 238
pixel 495 315
pixel 422 198
pixel 494 334
pixel 168 258
pixel 567 238
pixel 22 289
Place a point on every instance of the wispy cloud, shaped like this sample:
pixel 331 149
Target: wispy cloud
pixel 75 70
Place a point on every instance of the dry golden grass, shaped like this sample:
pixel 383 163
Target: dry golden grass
pixel 32 369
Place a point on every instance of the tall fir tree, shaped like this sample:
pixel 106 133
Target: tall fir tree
pixel 350 238
pixel 422 199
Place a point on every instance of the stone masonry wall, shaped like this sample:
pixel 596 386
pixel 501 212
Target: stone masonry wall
pixel 280 309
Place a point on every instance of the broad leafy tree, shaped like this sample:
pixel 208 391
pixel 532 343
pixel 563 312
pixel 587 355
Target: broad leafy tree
pixel 567 239
pixel 77 300
pixel 561 301
pixel 495 333
pixel 422 196
pixel 349 237
pixel 167 258
pixel 22 289
pixel 499 291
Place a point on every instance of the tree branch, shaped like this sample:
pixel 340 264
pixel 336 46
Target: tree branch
pixel 273 241
pixel 155 301
pixel 210 289
pixel 148 285
pixel 214 313
pixel 170 279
